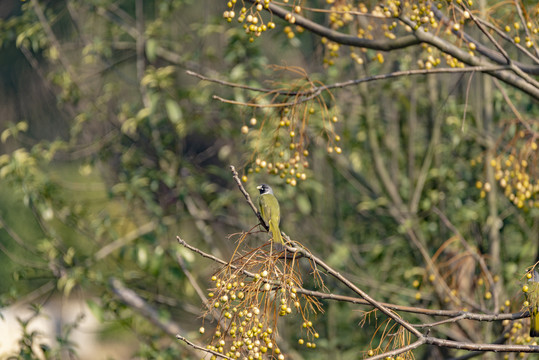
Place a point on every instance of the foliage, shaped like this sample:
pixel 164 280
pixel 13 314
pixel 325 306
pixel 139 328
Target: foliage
pixel 394 123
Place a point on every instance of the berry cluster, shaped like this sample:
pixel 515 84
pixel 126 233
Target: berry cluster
pixel 249 295
pixel 516 176
pixel 282 143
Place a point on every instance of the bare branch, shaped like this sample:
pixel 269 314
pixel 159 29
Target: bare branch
pixel 526 85
pixel 518 4
pixel 218 354
pixel 231 84
pixel 379 44
pixel 237 179
pixel 130 298
pixel 481 347
pixel 360 301
pixel 398 351
pixel 520 80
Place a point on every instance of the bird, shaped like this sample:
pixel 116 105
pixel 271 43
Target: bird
pixel 270 212
pixel 533 298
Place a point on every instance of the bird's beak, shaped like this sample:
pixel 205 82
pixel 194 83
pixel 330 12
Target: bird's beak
pixel 259 187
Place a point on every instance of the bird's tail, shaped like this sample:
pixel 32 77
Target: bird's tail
pixel 276 232
pixel 534 323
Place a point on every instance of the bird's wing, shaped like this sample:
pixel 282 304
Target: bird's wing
pixel 264 208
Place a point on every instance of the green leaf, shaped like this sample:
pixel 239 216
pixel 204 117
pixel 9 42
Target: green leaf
pixel 22 126
pixel 174 111
pixel 151 50
pixel 5 135
pixel 20 38
pixel 96 309
pixel 142 257
pixel 143 113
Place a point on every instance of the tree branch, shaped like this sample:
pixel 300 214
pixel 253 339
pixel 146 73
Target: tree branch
pixel 195 346
pixel 338 37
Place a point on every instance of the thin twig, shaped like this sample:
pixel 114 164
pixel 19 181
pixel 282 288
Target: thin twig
pixel 193 345
pixel 313 92
pixel 441 322
pixel 237 179
pixel 192 280
pixel 524 25
pixel 401 350
pixel 234 85
pixel 466 98
pixel 296 102
pixel 513 107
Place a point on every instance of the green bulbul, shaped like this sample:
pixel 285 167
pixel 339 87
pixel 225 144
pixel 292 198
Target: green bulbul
pixel 533 298
pixel 269 209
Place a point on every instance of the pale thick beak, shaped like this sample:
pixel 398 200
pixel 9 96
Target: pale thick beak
pixel 259 187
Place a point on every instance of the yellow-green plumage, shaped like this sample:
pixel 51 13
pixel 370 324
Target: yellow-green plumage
pixel 270 212
pixel 534 323
pixel 533 298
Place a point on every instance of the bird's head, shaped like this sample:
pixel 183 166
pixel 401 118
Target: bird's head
pixel 264 189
